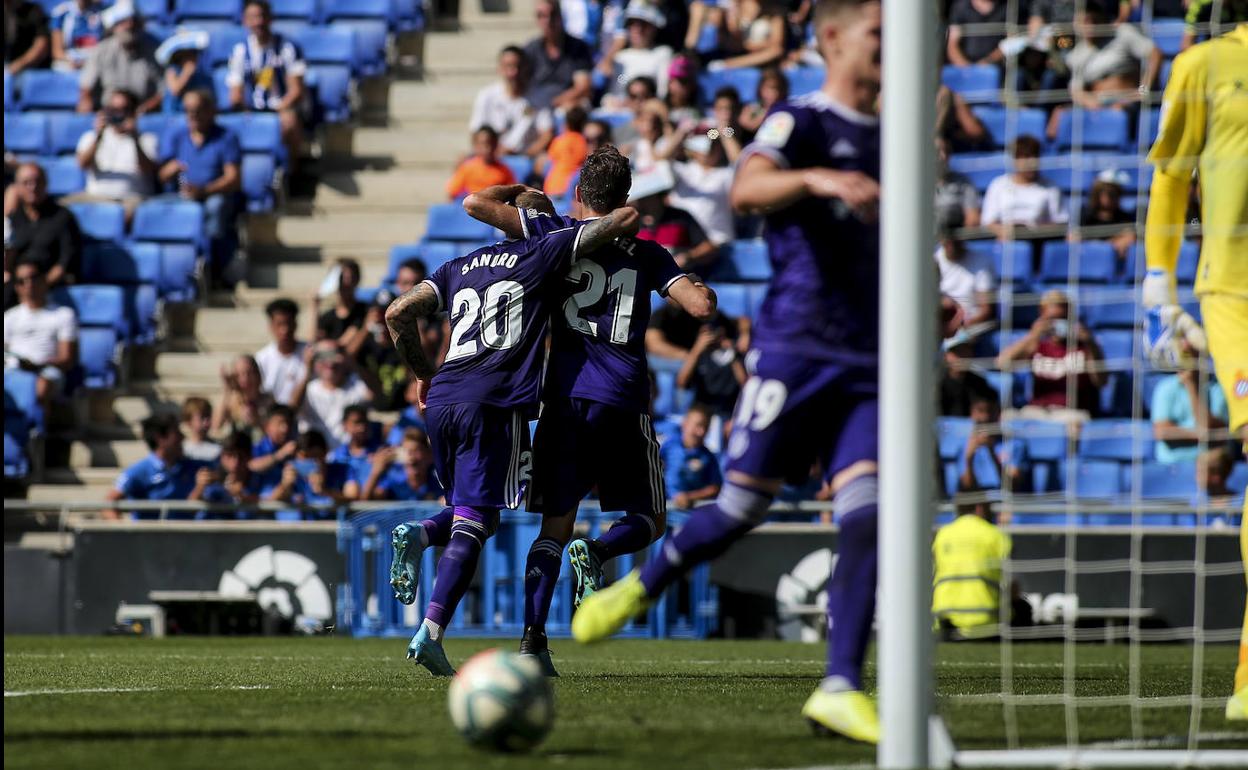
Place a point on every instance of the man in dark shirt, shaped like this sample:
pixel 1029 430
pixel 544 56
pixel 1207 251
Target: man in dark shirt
pixel 673 332
pixel 960 387
pixel 44 232
pixel 26 41
pixel 561 63
pixel 345 321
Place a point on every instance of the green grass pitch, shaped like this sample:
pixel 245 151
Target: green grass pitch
pixel 299 703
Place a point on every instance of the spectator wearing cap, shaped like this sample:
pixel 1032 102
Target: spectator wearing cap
pixel 561 63
pixel 986 20
pixel 1111 66
pixel 504 106
pixel 670 226
pixel 204 159
pixel 281 362
pixel 265 74
pixel 703 182
pixel 959 385
pixel 165 474
pixel 1104 207
pixel 483 169
pixel 968 278
pixel 119 161
pixel 958 203
pixel 1059 347
pixel 402 472
pixel 26 40
pixel 44 233
pixel 691 470
pixel 1022 198
pixel 123 61
pixel 333 383
pixel 77 27
pixel 773 88
pixel 640 56
pixel 682 92
pixel 39 337
pixel 179 55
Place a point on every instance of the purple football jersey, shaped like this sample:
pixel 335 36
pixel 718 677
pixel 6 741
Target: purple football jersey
pixel 823 299
pixel 499 299
pixel 598 348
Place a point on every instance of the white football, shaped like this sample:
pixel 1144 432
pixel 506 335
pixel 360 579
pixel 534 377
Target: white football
pixel 500 700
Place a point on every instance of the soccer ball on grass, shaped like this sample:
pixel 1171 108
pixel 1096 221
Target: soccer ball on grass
pixel 500 700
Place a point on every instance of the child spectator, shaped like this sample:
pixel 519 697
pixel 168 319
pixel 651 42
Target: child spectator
pixel 408 418
pixel 402 473
pixel 337 385
pixel 722 123
pixel 165 474
pixel 243 400
pixel 653 143
pixel 567 152
pixel 773 88
pixel 714 369
pixel 281 361
pixel 276 447
pixel 234 483
pixel 483 169
pixel 691 470
pixel 356 454
pixel 76 28
pixel 179 55
pixel 310 480
pixel 1022 198
pixel 197 419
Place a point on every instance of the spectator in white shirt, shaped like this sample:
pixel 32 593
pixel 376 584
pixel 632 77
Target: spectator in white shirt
pixel 281 362
pixel 1022 198
pixel 37 337
pixel 968 278
pixel 265 73
pixel 119 161
pixel 639 57
pixel 337 385
pixel 522 128
pixel 702 187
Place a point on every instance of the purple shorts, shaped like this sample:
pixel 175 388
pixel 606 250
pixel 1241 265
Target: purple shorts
pixel 793 411
pixel 481 453
pixel 581 444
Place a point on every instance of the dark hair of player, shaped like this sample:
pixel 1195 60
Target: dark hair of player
pixel 282 306
pixel 532 199
pixel 605 180
pixel 157 427
pixel 237 442
pixel 196 406
pixel 311 441
pixel 575 119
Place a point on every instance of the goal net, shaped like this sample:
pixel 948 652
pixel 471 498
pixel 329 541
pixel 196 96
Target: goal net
pixel 1120 606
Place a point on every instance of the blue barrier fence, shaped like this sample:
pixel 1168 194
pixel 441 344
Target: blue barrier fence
pixel 495 604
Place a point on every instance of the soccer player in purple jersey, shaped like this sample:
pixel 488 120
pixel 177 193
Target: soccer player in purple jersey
pixel 478 403
pixel 813 171
pixel 594 430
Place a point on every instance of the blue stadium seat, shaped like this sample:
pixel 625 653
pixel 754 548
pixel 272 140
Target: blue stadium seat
pixel 521 166
pixel 25 133
pixel 20 397
pixel 952 434
pixel 97 348
pixel 976 83
pixel 744 79
pixel 1120 314
pixel 10 96
pixel 221 89
pixel 100 221
pixel 216 10
pixel 1117 395
pixel 48 90
pixel 370 44
pixel 1100 129
pixel 96 305
pixel 1163 76
pixel 1172 481
pixel 257 132
pixel 141 307
pixel 449 222
pixel 153 11
pixel 179 269
pixel 1097 262
pixel 258 173
pixel 158 123
pixel 1099 479
pixel 409 16
pixel 743 260
pixel 756 293
pixel 163 220
pixel 16 463
pixel 399 254
pixel 1117 344
pixel 65 129
pixel 1167 35
pixel 1011 261
pixel 221 42
pixel 980 167
pixel 328 45
pixel 1237 481
pixel 1189 260
pixel 1148 385
pixel 733 299
pixel 1116 439
pixel 331 83
pixel 121 265
pixel 302 10
pixel 65 177
pixel 1150 121
pixel 802 80
pixel 614 118
pixel 1005 125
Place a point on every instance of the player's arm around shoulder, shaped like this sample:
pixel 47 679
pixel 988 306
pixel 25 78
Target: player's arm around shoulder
pixel 622 222
pixel 493 206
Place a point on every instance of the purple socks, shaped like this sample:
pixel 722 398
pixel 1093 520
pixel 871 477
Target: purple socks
pixel 438 527
pixel 628 535
pixel 541 574
pixel 851 589
pixel 458 563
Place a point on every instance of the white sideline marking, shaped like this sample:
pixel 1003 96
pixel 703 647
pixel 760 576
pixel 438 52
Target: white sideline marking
pixel 122 690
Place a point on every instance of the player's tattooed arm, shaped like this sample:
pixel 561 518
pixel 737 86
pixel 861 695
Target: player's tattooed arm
pixel 403 319
pixel 624 221
pixel 493 207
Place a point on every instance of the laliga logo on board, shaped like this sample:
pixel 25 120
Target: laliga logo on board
pixel 286 580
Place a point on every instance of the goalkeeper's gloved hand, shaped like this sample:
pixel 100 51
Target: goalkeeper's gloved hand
pixel 1167 325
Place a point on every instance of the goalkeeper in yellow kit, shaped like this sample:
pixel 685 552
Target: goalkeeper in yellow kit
pixel 1204 129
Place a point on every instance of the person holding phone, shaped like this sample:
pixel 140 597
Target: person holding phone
pixel 1059 347
pixel 119 160
pixel 309 479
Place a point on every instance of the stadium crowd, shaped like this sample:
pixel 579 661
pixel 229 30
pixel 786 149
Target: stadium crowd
pixel 1037 207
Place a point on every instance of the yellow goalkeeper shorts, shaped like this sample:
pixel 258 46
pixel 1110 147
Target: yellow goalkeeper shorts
pixel 1225 318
